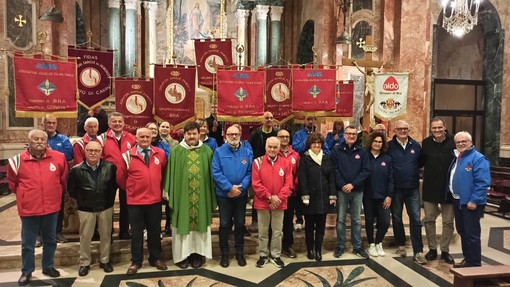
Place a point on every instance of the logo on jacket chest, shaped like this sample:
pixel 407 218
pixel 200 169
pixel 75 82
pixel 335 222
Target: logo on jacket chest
pixel 412 151
pixel 244 161
pixel 469 167
pixel 281 173
pixel 128 145
pixel 293 160
pixel 357 156
pixel 383 163
pixel 156 160
pixel 52 167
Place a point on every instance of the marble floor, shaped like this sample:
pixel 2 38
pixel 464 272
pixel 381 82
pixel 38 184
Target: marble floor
pixel 377 271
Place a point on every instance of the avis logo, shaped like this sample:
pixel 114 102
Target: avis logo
pixel 391 84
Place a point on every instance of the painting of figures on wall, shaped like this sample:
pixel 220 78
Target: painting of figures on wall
pixel 194 19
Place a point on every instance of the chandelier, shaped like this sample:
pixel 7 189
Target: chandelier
pixel 460 16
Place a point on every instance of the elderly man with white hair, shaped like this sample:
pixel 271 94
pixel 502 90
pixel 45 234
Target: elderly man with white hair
pixel 91 127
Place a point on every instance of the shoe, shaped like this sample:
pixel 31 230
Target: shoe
pixel 380 250
pixel 310 255
pixel 361 253
pixel 277 262
pixel 197 261
pixel 289 252
pixel 254 227
pixel 401 251
pixel 338 252
pixel 318 256
pixel 168 231
pixel 160 265
pixel 183 264
pixel 241 261
pixel 38 241
pixel 298 227
pixel 447 257
pixel 133 269
pixel 461 264
pixel 107 267
pixel 124 236
pixel 431 255
pixel 224 261
pixel 60 238
pixel 24 279
pixel 420 259
pixel 262 261
pixel 84 270
pixel 372 250
pixel 51 272
pixel 246 232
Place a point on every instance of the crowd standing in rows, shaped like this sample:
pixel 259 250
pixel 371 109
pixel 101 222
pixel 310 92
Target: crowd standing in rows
pixel 312 177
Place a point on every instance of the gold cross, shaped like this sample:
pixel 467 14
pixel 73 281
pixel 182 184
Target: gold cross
pixel 361 43
pixel 20 20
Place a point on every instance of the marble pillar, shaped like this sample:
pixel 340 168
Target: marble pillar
pixel 114 33
pixel 242 33
pixel 276 28
pixel 130 37
pixel 151 10
pixel 261 45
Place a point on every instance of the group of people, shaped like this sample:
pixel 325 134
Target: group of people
pixel 308 177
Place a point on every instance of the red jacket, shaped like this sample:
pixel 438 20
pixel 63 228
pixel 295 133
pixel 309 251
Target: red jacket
pixel 38 184
pixel 268 179
pixel 143 184
pixel 293 158
pixel 111 150
pixel 79 148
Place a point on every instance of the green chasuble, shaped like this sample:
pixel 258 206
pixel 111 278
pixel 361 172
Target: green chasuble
pixel 190 188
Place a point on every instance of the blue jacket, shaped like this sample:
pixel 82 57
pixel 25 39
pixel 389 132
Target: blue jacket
pixel 165 147
pixel 230 168
pixel 351 166
pixel 331 142
pixel 405 163
pixel 61 143
pixel 211 143
pixel 299 140
pixel 379 183
pixel 472 177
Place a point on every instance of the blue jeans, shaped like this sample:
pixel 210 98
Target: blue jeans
pixel 352 200
pixel 411 198
pixel 232 212
pixel 30 227
pixel 467 223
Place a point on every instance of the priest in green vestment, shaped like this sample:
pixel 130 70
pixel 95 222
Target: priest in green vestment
pixel 190 189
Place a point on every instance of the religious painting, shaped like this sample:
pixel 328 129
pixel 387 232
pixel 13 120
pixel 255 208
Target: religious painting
pixel 19 23
pixel 193 19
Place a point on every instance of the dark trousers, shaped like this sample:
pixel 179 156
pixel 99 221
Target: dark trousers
pixel 411 198
pixel 124 213
pixel 145 217
pixel 374 209
pixel 317 223
pixel 232 212
pixel 60 219
pixel 30 228
pixel 168 215
pixel 288 217
pixel 467 223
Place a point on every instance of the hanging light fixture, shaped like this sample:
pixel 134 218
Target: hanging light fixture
pixel 52 14
pixel 460 16
pixel 344 38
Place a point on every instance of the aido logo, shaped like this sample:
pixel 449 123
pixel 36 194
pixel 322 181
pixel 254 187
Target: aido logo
pixel 391 84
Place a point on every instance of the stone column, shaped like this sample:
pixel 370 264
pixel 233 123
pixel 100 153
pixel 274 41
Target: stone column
pixel 242 32
pixel 151 8
pixel 130 36
pixel 276 31
pixel 114 33
pixel 261 44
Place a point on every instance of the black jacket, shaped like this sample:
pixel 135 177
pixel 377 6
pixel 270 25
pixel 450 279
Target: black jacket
pixel 93 195
pixel 258 140
pixel 436 159
pixel 318 182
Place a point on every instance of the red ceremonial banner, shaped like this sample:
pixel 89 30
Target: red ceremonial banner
pixel 133 98
pixel 45 86
pixel 95 68
pixel 345 99
pixel 278 93
pixel 240 95
pixel 313 91
pixel 211 53
pixel 174 93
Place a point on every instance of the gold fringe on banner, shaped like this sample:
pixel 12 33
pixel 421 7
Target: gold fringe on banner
pixel 23 114
pixel 240 119
pixel 288 118
pixel 316 114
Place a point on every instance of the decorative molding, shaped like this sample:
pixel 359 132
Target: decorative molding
pixel 276 13
pixel 262 11
pixel 114 4
pixel 131 4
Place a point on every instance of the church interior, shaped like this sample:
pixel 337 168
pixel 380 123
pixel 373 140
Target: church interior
pixel 456 71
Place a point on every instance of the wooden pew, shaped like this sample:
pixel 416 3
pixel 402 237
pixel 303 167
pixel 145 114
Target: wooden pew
pixel 476 276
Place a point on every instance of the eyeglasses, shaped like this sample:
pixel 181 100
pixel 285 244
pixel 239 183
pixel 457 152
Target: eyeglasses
pixel 402 129
pixel 233 134
pixel 284 137
pixel 351 134
pixel 462 142
pixel 93 150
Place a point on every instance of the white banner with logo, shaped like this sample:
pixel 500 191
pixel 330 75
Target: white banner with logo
pixel 390 99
